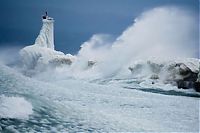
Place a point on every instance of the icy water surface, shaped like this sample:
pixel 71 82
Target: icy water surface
pixel 74 105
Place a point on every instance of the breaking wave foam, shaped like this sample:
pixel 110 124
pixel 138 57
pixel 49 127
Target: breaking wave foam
pixel 164 32
pixel 15 107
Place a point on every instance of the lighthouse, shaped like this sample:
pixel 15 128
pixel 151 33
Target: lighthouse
pixel 46 35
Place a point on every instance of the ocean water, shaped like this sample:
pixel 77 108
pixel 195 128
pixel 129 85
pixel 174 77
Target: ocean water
pixel 106 105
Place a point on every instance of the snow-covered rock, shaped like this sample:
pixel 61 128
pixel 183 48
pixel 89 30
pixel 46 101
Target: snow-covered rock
pixel 182 72
pixel 198 80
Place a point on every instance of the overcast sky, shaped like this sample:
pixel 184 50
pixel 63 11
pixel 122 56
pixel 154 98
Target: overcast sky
pixel 75 20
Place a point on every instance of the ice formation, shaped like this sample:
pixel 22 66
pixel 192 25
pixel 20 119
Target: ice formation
pixel 42 54
pixel 46 37
pixel 180 72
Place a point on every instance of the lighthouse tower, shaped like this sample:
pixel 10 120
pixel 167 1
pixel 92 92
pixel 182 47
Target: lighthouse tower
pixel 46 35
pixel 41 54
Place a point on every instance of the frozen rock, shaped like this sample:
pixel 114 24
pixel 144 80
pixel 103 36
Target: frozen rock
pixel 91 63
pixel 180 72
pixel 197 83
pixel 154 76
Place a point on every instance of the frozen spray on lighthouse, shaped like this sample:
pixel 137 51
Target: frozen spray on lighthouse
pixel 42 53
pixel 46 36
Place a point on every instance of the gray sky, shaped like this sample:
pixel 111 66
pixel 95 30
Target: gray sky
pixel 75 20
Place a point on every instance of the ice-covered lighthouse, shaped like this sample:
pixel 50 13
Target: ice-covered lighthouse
pixel 42 54
pixel 46 36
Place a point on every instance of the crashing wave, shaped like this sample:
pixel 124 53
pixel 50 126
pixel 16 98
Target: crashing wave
pixel 101 58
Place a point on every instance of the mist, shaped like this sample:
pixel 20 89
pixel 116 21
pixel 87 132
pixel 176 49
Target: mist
pixel 10 55
pixel 160 33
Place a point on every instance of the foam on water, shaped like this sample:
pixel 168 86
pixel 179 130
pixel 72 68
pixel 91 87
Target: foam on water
pixel 72 105
pixel 15 107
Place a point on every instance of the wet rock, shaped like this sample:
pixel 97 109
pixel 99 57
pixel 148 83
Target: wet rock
pixel 130 68
pixel 180 73
pixel 91 63
pixel 188 81
pixel 154 76
pixel 183 69
pixel 197 86
pixel 185 84
pixel 185 78
pixel 60 61
pixel 197 83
